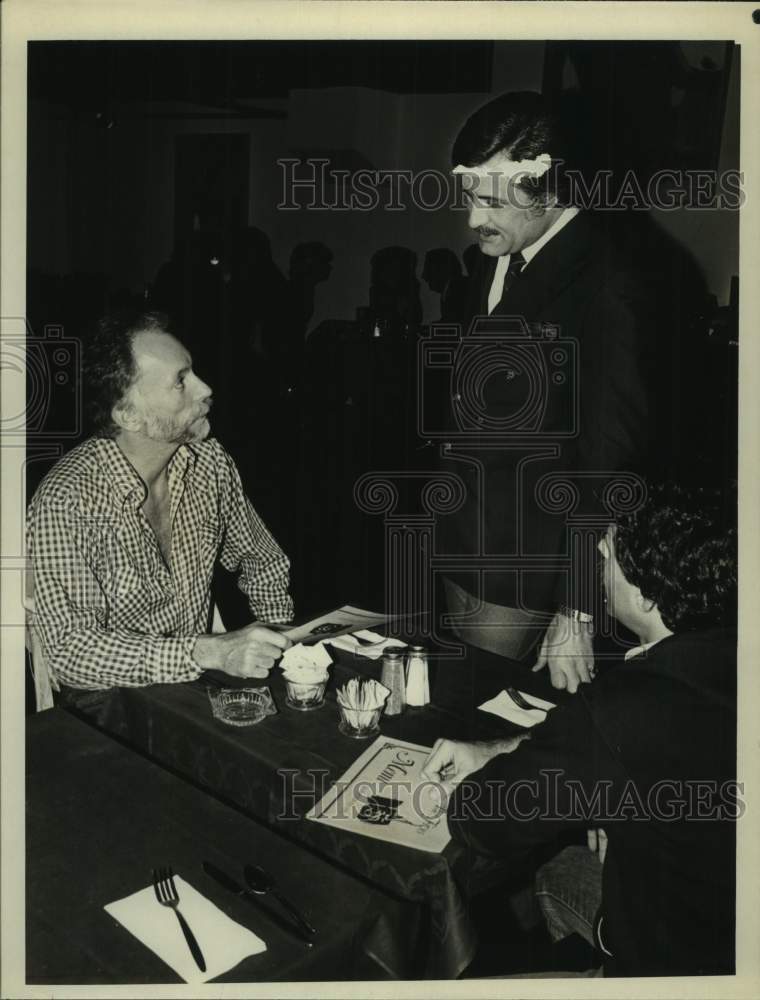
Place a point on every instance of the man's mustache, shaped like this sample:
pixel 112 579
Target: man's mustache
pixel 487 232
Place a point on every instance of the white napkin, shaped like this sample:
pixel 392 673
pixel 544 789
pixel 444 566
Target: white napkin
pixel 311 658
pixel 223 942
pixel 374 652
pixel 503 706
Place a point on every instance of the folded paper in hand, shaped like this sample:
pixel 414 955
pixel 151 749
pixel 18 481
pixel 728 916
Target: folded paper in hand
pixel 505 707
pixel 223 942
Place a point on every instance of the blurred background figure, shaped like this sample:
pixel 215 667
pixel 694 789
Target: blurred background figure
pixel 470 257
pixel 226 295
pixel 258 293
pixel 310 265
pixel 190 289
pixel 442 273
pixel 394 294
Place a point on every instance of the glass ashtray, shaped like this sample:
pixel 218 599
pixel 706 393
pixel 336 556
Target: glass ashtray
pixel 241 706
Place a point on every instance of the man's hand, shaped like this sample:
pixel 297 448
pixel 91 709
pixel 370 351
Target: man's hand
pixel 597 842
pixel 450 761
pixel 568 650
pixel 250 652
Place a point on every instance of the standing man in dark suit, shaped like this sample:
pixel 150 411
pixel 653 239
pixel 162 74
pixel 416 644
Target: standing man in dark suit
pixel 579 420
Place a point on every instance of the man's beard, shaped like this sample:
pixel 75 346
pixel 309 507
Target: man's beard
pixel 171 432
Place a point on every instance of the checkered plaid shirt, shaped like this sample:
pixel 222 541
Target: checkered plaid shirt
pixel 107 609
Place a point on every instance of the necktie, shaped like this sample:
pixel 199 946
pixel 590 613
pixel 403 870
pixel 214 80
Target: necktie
pixel 516 263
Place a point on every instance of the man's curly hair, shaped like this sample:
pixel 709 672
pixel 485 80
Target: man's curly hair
pixel 679 549
pixel 108 368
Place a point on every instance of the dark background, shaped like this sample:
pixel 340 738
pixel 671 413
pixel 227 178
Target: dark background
pixel 153 177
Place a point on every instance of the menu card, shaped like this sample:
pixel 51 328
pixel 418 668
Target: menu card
pixel 341 621
pixel 383 795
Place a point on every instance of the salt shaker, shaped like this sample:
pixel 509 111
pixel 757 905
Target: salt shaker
pixel 393 678
pixel 417 684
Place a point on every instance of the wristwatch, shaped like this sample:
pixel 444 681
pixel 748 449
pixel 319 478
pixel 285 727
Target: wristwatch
pixel 577 616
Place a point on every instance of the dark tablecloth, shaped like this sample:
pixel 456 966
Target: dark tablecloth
pixel 278 769
pixel 100 816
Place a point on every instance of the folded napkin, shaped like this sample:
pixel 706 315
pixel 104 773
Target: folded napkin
pixel 223 942
pixel 374 652
pixel 310 661
pixel 505 706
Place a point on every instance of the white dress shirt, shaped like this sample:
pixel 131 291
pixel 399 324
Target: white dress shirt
pixel 529 252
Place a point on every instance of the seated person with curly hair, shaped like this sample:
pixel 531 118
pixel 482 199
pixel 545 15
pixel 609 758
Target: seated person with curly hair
pixel 647 752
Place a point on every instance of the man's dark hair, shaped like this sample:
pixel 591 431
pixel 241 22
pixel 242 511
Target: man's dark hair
pixel 108 368
pixel 679 549
pixel 522 125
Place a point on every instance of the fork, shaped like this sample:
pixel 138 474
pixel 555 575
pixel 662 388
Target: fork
pixel 167 895
pixel 518 699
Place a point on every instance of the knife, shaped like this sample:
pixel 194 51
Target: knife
pixel 229 883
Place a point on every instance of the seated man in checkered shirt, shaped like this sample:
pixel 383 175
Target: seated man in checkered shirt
pixel 124 531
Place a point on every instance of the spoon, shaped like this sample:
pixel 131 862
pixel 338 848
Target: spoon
pixel 261 882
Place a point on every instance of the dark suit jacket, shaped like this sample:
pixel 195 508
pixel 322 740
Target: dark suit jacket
pixel 655 739
pixel 588 414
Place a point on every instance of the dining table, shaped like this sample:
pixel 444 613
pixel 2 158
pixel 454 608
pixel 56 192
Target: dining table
pixel 278 769
pixel 100 817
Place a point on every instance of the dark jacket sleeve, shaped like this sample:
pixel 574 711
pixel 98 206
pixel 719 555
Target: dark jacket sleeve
pixel 614 394
pixel 552 782
pixel 615 410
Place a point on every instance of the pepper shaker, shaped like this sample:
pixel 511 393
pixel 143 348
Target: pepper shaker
pixel 392 677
